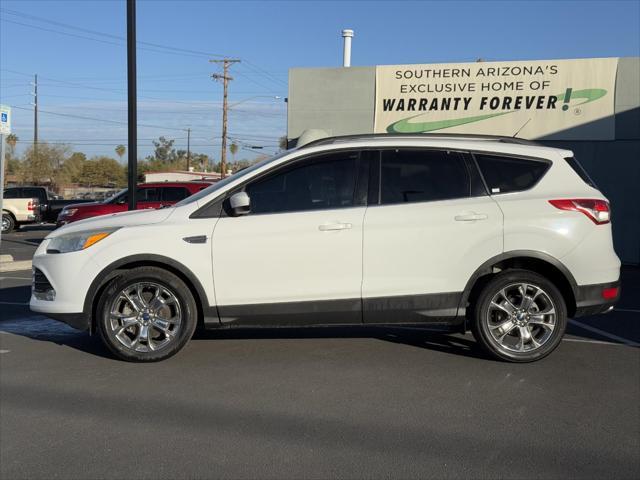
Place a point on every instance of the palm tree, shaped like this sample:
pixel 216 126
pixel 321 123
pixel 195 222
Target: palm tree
pixel 12 139
pixel 120 151
pixel 233 148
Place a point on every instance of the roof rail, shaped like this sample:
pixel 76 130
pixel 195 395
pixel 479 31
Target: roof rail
pixel 458 136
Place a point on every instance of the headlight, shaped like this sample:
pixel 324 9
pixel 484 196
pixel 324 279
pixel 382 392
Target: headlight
pixel 74 242
pixel 69 212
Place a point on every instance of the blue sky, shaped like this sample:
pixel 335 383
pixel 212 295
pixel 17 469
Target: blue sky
pixel 76 48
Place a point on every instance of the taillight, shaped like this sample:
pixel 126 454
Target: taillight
pixel 610 293
pixel 30 206
pixel 598 211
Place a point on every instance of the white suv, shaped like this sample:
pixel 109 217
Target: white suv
pixel 502 237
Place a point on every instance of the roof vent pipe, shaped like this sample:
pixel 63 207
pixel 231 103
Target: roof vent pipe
pixel 347 35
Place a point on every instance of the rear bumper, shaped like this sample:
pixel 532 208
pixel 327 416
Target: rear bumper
pixel 589 299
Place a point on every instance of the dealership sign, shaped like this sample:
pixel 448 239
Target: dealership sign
pixel 554 99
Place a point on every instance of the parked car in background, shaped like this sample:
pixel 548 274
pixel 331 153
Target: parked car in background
pixel 19 211
pixel 149 196
pixel 499 236
pixel 50 204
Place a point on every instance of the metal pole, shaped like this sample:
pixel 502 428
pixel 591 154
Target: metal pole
pixel 35 115
pixel 188 147
pixel 2 153
pixel 132 99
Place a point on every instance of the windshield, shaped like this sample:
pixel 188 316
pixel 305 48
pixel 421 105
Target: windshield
pixel 232 178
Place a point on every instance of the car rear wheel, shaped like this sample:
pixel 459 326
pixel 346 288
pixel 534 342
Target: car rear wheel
pixel 147 314
pixel 8 223
pixel 519 316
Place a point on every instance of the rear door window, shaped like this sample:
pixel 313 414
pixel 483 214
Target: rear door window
pixel 148 194
pixel 174 194
pixel 11 193
pixel 33 193
pixel 409 176
pixel 509 174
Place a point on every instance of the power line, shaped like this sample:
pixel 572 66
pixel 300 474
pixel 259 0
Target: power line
pixel 102 34
pixel 115 122
pixel 264 72
pixel 155 46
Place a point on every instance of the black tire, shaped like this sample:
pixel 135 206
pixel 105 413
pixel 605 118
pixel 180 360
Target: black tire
pixel 150 276
pixel 8 223
pixel 482 317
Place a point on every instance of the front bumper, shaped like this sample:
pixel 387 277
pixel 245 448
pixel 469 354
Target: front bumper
pixel 70 275
pixel 590 300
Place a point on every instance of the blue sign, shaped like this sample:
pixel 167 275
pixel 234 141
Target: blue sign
pixel 4 117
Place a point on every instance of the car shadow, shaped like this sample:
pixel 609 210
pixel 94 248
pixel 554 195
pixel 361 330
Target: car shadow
pixel 37 327
pixel 416 337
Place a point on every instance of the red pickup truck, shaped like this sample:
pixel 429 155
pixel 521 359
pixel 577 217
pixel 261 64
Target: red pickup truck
pixel 149 195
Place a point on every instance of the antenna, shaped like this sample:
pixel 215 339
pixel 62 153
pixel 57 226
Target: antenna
pixel 520 129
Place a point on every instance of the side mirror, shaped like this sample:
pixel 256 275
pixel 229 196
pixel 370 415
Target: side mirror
pixel 240 203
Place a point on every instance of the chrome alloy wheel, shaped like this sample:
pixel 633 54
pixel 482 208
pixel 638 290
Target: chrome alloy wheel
pixel 145 317
pixel 5 224
pixel 521 317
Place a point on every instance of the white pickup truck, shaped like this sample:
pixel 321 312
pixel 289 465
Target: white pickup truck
pixel 19 211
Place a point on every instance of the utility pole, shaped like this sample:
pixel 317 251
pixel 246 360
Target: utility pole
pixel 226 63
pixel 188 147
pixel 132 98
pixel 35 115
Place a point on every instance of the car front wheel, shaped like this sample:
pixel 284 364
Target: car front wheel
pixel 147 314
pixel 519 316
pixel 8 223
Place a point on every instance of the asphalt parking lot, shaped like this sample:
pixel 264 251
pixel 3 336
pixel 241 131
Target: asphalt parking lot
pixel 315 403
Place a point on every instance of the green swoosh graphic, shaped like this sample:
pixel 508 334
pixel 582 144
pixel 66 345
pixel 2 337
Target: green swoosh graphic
pixel 406 126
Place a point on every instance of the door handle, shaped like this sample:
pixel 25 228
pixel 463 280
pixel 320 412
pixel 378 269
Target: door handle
pixel 470 217
pixel 334 226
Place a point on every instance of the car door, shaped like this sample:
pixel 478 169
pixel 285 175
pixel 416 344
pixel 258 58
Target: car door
pixel 432 227
pixel 296 258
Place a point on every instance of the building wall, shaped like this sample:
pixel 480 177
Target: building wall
pixel 341 101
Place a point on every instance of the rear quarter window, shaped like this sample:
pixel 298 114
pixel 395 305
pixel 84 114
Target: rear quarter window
pixel 509 174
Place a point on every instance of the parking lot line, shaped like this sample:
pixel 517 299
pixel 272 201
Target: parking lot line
pixel 631 310
pixel 597 342
pixel 14 303
pixel 602 333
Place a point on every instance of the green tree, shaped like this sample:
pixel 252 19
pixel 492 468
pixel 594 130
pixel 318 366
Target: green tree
pixel 164 151
pixel 120 151
pixel 44 164
pixel 72 168
pixel 103 171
